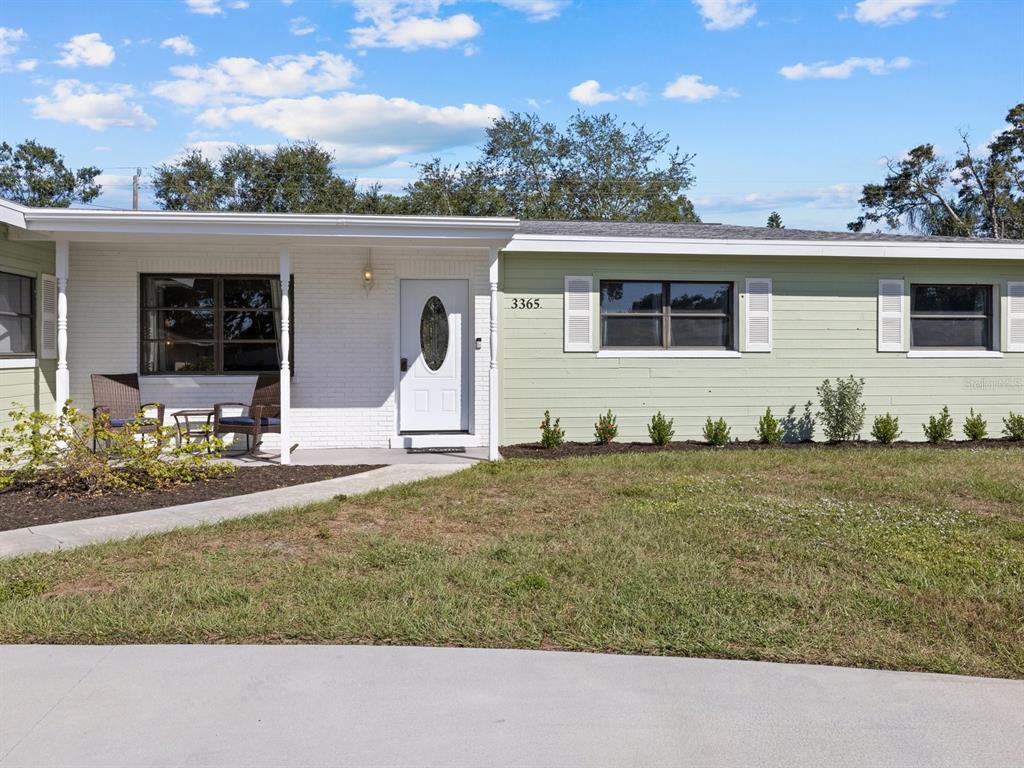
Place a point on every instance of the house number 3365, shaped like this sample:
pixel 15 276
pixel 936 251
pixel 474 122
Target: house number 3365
pixel 525 303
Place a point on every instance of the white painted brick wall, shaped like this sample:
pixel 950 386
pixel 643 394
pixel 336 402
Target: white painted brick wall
pixel 343 388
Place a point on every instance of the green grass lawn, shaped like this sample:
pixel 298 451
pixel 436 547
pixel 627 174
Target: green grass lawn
pixel 900 559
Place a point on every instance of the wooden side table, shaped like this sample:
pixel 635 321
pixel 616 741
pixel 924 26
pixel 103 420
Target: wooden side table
pixel 193 424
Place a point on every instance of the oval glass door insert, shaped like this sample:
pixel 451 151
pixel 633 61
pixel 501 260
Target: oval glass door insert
pixel 434 333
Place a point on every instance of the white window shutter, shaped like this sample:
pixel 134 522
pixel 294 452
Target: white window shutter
pixel 890 316
pixel 758 314
pixel 47 316
pixel 1015 317
pixel 578 308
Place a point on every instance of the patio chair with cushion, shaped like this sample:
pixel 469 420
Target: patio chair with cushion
pixel 117 399
pixel 262 416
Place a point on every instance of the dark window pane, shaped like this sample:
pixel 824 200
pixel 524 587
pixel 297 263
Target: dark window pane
pixel 701 332
pixel 249 325
pixel 631 332
pixel 698 297
pixel 966 332
pixel 975 299
pixel 179 291
pixel 630 297
pixel 249 293
pixel 15 335
pixel 178 324
pixel 434 333
pixel 251 357
pixel 15 294
pixel 177 357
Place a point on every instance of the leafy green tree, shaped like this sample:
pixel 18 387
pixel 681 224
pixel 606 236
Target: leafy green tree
pixel 35 175
pixel 972 196
pixel 775 221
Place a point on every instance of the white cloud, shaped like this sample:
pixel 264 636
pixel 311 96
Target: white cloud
pixel 287 3
pixel 300 26
pixel 535 10
pixel 72 101
pixel 589 92
pixel 725 14
pixel 86 50
pixel 410 24
pixel 239 80
pixel 887 12
pixel 10 39
pixel 833 196
pixel 844 69
pixel 26 65
pixel 205 7
pixel 690 88
pixel 240 5
pixel 181 45
pixel 363 129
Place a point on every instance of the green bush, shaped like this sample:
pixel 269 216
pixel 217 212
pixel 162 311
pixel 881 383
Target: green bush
pixel 551 434
pixel 716 432
pixel 939 428
pixel 1013 426
pixel 606 428
pixel 54 454
pixel 660 429
pixel 769 430
pixel 975 427
pixel 886 428
pixel 842 412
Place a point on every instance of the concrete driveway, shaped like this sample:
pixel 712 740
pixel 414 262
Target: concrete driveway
pixel 372 706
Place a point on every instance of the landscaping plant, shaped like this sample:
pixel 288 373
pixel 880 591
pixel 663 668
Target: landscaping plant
pixel 551 434
pixel 939 428
pixel 975 427
pixel 55 454
pixel 886 428
pixel 769 430
pixel 842 412
pixel 660 429
pixel 606 428
pixel 716 432
pixel 1013 426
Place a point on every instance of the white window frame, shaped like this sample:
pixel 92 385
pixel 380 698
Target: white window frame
pixel 954 352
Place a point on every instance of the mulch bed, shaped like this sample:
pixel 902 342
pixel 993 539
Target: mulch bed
pixel 24 508
pixel 567 450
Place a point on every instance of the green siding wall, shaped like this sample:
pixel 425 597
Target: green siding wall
pixel 825 317
pixel 32 387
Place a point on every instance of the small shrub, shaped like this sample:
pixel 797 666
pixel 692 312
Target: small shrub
pixel 769 430
pixel 660 429
pixel 606 428
pixel 939 428
pixel 1013 426
pixel 975 427
pixel 551 434
pixel 842 412
pixel 716 432
pixel 886 428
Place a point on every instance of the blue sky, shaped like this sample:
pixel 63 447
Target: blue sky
pixel 787 105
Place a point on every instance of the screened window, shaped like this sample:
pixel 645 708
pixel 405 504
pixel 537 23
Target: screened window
pixel 666 314
pixel 210 324
pixel 951 316
pixel 17 312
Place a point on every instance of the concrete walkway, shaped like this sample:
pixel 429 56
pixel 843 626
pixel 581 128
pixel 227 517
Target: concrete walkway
pixel 376 706
pixel 76 533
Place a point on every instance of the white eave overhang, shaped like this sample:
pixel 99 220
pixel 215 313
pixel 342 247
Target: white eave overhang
pixel 910 249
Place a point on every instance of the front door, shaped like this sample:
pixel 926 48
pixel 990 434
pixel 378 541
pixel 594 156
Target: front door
pixel 432 368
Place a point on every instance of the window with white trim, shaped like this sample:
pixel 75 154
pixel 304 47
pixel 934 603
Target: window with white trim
pixel 952 316
pixel 666 314
pixel 17 315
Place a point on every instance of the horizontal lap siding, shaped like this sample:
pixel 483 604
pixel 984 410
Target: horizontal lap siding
pixel 824 326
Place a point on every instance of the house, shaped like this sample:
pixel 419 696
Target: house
pixel 460 332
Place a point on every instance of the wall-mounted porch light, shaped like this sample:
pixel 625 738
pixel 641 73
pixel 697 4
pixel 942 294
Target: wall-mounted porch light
pixel 368 272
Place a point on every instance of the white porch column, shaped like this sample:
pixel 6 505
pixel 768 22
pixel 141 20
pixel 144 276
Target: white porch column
pixel 286 342
pixel 63 393
pixel 492 378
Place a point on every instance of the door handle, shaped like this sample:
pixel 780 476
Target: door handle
pixel 404 364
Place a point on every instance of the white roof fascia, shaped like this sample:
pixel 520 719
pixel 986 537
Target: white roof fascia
pixel 12 214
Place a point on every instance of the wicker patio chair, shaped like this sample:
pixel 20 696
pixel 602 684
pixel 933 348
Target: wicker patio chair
pixel 262 416
pixel 116 397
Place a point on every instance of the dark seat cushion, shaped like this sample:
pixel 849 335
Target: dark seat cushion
pixel 143 422
pixel 248 421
